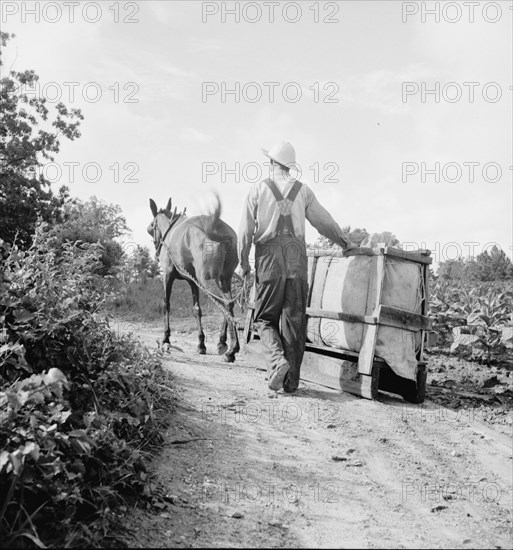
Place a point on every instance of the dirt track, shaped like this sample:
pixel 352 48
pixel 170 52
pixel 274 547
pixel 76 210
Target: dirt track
pixel 242 468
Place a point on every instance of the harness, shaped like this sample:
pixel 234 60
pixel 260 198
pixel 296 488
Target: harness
pixel 285 225
pixel 155 238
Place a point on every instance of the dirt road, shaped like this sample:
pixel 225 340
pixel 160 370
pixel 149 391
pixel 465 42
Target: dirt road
pixel 244 467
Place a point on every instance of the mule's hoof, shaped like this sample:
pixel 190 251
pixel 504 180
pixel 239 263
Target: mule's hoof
pixel 229 358
pixel 202 351
pixel 221 348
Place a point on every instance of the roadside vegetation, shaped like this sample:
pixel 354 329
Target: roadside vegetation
pixel 82 408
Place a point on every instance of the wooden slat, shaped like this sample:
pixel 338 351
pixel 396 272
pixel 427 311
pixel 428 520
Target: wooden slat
pixel 366 356
pixel 424 308
pixel 421 257
pixel 247 333
pixel 351 381
pixel 323 252
pixel 329 371
pixel 387 315
pixel 399 318
pixel 321 369
pixel 312 264
pixel 340 316
pixel 337 352
pixel 365 251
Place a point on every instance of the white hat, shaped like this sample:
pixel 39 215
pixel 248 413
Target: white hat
pixel 283 153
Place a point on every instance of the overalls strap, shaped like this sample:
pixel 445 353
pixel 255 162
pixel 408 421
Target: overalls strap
pixel 285 226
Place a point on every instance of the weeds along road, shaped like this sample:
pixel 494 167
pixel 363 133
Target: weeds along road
pixel 242 468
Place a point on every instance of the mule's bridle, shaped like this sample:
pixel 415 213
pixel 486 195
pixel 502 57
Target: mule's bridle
pixel 158 245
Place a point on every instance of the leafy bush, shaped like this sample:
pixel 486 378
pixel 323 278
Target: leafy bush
pixel 480 313
pixel 80 407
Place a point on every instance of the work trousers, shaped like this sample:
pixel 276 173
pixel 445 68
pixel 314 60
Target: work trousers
pixel 280 304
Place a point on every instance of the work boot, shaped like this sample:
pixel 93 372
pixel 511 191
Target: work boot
pixel 278 376
pixel 287 386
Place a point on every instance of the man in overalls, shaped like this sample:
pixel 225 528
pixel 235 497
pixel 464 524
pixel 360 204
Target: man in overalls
pixel 274 219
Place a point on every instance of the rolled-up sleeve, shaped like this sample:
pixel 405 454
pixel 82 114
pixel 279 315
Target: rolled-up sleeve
pixel 247 227
pixel 321 219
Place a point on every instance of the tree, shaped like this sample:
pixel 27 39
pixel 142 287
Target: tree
pixel 451 270
pixel 139 265
pixel 92 221
pixel 494 265
pixel 27 140
pixel 486 267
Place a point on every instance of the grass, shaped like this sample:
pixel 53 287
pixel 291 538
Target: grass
pixel 144 300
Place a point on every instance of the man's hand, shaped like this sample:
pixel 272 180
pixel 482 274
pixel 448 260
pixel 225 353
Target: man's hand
pixel 349 246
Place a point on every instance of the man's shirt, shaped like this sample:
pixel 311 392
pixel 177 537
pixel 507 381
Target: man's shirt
pixel 261 214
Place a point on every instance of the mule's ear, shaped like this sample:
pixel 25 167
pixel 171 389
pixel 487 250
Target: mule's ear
pixel 168 207
pixel 154 209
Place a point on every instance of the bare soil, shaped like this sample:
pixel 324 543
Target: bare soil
pixel 245 467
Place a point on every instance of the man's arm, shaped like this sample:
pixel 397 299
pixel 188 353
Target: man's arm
pixel 247 229
pixel 321 219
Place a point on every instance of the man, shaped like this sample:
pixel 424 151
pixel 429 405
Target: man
pixel 274 219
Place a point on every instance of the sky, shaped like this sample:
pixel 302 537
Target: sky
pixel 379 98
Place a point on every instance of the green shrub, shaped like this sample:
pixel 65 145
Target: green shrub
pixel 80 406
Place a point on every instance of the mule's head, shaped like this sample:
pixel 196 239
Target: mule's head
pixel 162 220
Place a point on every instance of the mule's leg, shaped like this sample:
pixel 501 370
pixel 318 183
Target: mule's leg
pixel 197 313
pixel 221 345
pixel 168 285
pixel 233 339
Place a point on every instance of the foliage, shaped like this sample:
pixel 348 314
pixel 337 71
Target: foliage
pixel 145 300
pixel 489 266
pixel 25 194
pixel 484 314
pixel 138 265
pixel 80 406
pixel 360 237
pixel 22 202
pixel 92 221
pixel 357 235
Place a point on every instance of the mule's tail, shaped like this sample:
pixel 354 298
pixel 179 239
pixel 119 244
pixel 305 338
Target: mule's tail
pixel 211 223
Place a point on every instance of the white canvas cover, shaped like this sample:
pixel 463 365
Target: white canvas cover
pixel 343 285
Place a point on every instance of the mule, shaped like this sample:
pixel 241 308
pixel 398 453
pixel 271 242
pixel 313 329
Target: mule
pixel 203 249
